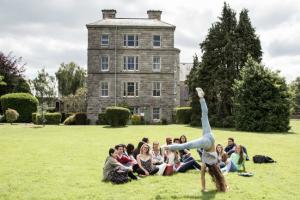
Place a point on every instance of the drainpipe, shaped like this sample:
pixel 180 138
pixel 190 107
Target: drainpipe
pixel 116 65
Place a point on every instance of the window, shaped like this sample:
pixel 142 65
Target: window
pixel 131 63
pixel 156 63
pixel 135 110
pixel 131 89
pixel 156 89
pixel 104 89
pixel 156 40
pixel 104 63
pixel 156 114
pixel 104 40
pixel 131 41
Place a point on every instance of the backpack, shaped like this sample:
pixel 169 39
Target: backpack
pixel 262 159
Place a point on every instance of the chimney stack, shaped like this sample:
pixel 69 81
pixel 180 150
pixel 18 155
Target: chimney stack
pixel 154 14
pixel 109 13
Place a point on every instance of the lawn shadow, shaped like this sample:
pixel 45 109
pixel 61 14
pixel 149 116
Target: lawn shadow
pixel 114 127
pixel 204 195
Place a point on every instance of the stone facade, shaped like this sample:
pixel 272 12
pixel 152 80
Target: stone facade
pixel 116 77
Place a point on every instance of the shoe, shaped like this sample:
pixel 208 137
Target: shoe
pixel 200 92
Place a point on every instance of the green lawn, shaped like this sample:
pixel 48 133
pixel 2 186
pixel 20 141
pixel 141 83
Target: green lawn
pixel 65 162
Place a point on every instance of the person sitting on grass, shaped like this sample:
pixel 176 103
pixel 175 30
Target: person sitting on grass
pixel 114 171
pixel 222 156
pixel 130 149
pixel 230 148
pixel 185 153
pixel 207 143
pixel 144 160
pixel 122 157
pixel 236 161
pixel 158 158
pixel 137 150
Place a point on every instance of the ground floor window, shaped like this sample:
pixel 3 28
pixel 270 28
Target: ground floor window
pixel 156 113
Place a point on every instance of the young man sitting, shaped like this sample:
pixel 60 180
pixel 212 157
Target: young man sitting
pixel 230 148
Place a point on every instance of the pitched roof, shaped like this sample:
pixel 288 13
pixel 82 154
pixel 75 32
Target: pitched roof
pixel 144 22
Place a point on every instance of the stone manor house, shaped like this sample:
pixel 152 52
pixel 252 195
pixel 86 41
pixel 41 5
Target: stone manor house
pixel 133 61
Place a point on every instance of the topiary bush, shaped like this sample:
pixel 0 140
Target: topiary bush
pixel 25 104
pixel 183 115
pixel 262 100
pixel 11 115
pixel 136 119
pixel 50 118
pixel 102 119
pixel 70 120
pixel 80 119
pixel 117 116
pixel 33 118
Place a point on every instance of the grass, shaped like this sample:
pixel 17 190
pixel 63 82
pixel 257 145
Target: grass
pixel 65 162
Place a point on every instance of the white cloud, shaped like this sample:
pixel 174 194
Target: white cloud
pixel 47 33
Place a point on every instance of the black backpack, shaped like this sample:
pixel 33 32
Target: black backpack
pixel 262 159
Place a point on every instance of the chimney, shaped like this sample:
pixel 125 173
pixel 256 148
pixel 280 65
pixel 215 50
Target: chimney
pixel 109 13
pixel 154 14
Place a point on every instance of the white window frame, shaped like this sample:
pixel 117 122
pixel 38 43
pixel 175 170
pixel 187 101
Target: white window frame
pixel 159 113
pixel 153 41
pixel 101 89
pixel 135 40
pixel 155 89
pixel 155 64
pixel 135 63
pixel 101 63
pixel 101 40
pixel 136 89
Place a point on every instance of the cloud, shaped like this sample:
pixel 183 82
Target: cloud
pixel 47 33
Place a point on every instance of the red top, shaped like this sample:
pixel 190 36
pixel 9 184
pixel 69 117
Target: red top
pixel 123 159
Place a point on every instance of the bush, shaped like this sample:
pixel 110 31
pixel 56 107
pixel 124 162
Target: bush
pixel 102 119
pixel 183 115
pixel 164 121
pixel 50 118
pixel 25 104
pixel 80 119
pixel 33 118
pixel 117 116
pixel 51 110
pixel 11 115
pixel 261 100
pixel 136 119
pixel 70 120
pixel 64 116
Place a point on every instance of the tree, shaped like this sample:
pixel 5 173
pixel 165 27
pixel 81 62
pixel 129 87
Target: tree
pixel 70 77
pixel 261 100
pixel 12 70
pixel 295 88
pixel 224 53
pixel 2 83
pixel 75 103
pixel 44 86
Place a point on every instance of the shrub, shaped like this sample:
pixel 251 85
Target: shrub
pixel 117 116
pixel 70 120
pixel 80 119
pixel 51 110
pixel 261 100
pixel 102 119
pixel 25 104
pixel 50 118
pixel 164 121
pixel 183 115
pixel 136 119
pixel 11 115
pixel 33 118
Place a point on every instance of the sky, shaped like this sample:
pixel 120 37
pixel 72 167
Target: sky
pixel 46 33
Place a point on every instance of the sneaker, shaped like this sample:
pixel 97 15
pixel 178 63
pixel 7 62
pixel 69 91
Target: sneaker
pixel 200 92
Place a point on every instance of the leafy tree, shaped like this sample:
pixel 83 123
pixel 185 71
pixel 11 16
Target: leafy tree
pixel 44 84
pixel 70 77
pixel 261 100
pixel 295 89
pixel 2 83
pixel 225 49
pixel 12 70
pixel 75 103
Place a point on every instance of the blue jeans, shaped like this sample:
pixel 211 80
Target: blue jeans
pixel 189 163
pixel 230 167
pixel 207 139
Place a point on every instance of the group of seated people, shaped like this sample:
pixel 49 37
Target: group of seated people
pixel 144 160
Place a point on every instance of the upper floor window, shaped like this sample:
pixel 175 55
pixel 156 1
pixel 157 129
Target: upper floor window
pixel 156 40
pixel 104 89
pixel 156 63
pixel 156 88
pixel 131 63
pixel 104 40
pixel 131 41
pixel 131 89
pixel 104 63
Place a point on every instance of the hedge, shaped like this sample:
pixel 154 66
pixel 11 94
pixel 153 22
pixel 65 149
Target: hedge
pixel 70 120
pixel 80 119
pixel 102 119
pixel 50 118
pixel 25 104
pixel 117 116
pixel 183 115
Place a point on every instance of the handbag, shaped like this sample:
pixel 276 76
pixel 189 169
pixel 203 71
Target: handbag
pixel 169 170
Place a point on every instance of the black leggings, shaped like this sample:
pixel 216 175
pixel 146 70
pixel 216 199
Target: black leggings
pixel 131 175
pixel 152 172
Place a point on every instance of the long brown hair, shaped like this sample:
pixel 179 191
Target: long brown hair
pixel 217 177
pixel 241 159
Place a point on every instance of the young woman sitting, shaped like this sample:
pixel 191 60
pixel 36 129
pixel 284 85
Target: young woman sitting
pixel 114 171
pixel 158 158
pixel 236 161
pixel 222 156
pixel 145 164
